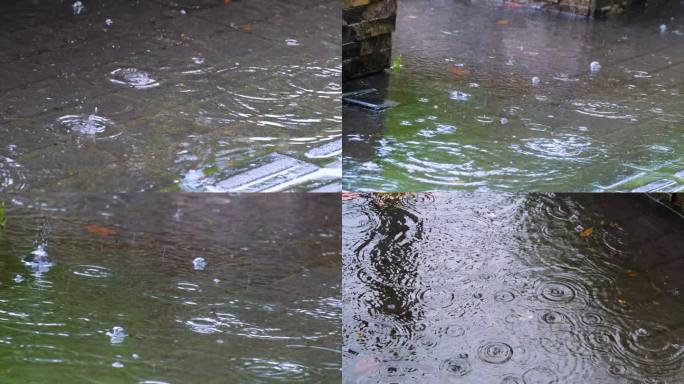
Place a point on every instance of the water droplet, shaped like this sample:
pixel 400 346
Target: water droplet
pixel 459 96
pixel 90 125
pixel 535 81
pixel 594 67
pixel 78 7
pixel 458 366
pixel 117 364
pixel 540 376
pixel 504 296
pixel 132 77
pixel 109 22
pixel 18 278
pixel 495 352
pixel 557 292
pixel 292 42
pixel 116 335
pixel 199 263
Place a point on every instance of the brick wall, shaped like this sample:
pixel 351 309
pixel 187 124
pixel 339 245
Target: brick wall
pixel 367 28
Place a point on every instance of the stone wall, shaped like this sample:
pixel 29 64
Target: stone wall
pixel 367 28
pixel 577 7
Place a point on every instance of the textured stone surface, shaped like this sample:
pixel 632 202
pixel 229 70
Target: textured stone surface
pixel 367 36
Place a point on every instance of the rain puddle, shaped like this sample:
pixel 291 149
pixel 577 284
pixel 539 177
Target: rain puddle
pixel 532 101
pixel 169 289
pixel 504 288
pixel 169 96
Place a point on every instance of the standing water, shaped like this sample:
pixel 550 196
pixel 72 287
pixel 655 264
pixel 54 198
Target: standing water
pixel 170 289
pixel 213 98
pixel 504 99
pixel 503 288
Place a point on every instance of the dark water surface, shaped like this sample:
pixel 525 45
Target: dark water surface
pixel 169 95
pixel 471 117
pixel 108 289
pixel 503 288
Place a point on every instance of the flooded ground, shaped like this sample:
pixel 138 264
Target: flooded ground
pixel 505 99
pixel 110 96
pixel 503 288
pixel 170 288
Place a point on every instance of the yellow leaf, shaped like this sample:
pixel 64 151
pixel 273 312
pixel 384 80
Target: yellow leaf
pixel 586 232
pixel 621 301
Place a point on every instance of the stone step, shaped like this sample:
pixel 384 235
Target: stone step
pixel 333 148
pixel 667 177
pixel 277 172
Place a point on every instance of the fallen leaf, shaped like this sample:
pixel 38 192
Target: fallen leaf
pixel 101 230
pixel 586 232
pixel 247 28
pixel 226 2
pixel 459 71
pixel 350 195
pixel 502 22
pixel 632 274
pixel 621 301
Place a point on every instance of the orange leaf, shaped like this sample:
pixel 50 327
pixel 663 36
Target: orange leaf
pixel 459 71
pixel 101 230
pixel 632 274
pixel 350 195
pixel 502 22
pixel 586 232
pixel 247 28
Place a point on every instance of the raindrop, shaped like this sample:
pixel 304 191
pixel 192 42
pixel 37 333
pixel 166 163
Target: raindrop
pixel 292 42
pixel 116 335
pixel 458 366
pixel 504 296
pixel 540 376
pixel 132 77
pixel 117 364
pixel 78 7
pixel 662 28
pixel 89 125
pixel 595 66
pixel 459 96
pixel 557 292
pixel 511 380
pixel 38 261
pixel 18 278
pixel 495 352
pixel 199 263
pixel 109 22
pixel 535 81
pixel 454 331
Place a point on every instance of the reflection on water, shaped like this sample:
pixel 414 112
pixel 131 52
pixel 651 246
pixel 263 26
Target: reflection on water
pixel 139 96
pixel 501 288
pixel 170 288
pixel 515 105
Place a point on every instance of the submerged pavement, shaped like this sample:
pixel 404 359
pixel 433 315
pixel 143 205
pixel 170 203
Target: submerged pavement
pixel 513 288
pixel 499 99
pixel 170 95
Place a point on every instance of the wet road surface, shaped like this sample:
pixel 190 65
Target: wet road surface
pixel 167 289
pixel 504 288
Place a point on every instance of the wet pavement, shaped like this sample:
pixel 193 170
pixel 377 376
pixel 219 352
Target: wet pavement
pixel 170 95
pixel 505 100
pixel 164 288
pixel 513 288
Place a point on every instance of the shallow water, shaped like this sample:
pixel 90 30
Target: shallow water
pixel 168 95
pixel 503 288
pixel 470 115
pixel 108 288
